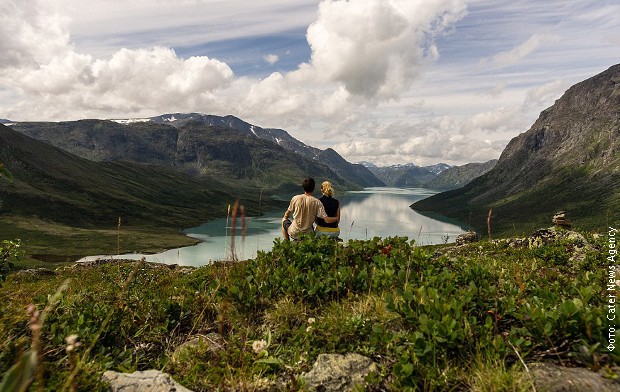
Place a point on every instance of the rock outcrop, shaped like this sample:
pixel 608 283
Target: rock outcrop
pixel 335 372
pixel 554 378
pixel 145 381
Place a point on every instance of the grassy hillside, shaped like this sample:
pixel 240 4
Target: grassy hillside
pixel 440 318
pixel 51 185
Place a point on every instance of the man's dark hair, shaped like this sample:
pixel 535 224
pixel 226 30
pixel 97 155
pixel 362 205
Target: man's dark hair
pixel 308 184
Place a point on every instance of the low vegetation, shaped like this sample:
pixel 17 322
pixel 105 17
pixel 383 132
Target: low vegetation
pixel 432 318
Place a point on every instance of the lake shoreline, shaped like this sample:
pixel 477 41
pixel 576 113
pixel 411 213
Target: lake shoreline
pixel 365 214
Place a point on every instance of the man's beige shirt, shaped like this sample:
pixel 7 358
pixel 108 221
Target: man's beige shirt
pixel 304 209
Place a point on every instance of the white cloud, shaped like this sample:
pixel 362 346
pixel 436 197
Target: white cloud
pixel 520 51
pixel 31 32
pixel 387 81
pixel 271 58
pixel 543 96
pixel 376 49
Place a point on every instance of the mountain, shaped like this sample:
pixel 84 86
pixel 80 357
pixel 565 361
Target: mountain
pixel 438 168
pixel 56 185
pixel 4 121
pixel 192 147
pixel 408 175
pixel 568 160
pixel 459 176
pixel 357 174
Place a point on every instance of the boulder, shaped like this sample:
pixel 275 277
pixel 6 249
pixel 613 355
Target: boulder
pixel 554 378
pixel 145 381
pixel 335 372
pixel 212 342
pixel 466 238
pixel 560 219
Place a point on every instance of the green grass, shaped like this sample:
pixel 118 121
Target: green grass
pixel 45 244
pixel 464 320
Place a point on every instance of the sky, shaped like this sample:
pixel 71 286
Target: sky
pixel 383 81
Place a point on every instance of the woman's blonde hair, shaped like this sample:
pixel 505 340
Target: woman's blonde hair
pixel 326 189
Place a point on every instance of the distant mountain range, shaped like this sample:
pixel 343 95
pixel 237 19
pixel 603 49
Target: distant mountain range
pixel 407 175
pixel 438 177
pixel 459 176
pixel 568 160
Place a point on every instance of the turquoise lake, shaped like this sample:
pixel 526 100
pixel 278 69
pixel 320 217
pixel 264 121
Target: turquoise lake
pixel 373 212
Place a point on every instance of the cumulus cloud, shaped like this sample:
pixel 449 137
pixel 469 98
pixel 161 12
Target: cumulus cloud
pixel 271 58
pixel 363 51
pixel 542 96
pixel 437 143
pixel 376 48
pixel 31 32
pixel 368 83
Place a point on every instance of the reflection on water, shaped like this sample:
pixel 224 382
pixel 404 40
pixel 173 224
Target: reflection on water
pixel 373 212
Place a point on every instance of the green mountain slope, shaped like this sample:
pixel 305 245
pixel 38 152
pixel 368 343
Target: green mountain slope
pixel 459 176
pixel 237 157
pixel 55 185
pixel 568 160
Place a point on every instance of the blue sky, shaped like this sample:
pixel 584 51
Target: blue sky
pixel 392 81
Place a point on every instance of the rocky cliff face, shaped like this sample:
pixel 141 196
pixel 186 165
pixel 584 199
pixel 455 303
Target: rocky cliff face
pixel 568 160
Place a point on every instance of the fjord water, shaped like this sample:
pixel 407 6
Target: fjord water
pixel 373 212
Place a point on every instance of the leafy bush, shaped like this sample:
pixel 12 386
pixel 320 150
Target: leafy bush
pixel 439 318
pixel 9 252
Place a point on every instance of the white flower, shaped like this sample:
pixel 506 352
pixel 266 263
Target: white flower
pixel 72 343
pixel 259 345
pixel 71 339
pixel 311 320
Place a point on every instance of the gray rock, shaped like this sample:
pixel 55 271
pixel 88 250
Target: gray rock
pixel 145 381
pixel 554 378
pixel 212 342
pixel 335 372
pixel 36 272
pixel 466 238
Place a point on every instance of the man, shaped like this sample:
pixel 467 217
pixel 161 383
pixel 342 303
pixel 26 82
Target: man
pixel 305 209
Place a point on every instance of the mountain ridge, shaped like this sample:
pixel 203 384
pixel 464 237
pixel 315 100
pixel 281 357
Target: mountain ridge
pixel 459 176
pixel 155 140
pixel 54 184
pixel 568 160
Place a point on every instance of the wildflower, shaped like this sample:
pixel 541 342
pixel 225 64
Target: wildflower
pixel 309 329
pixel 35 322
pixel 311 320
pixel 72 343
pixel 259 345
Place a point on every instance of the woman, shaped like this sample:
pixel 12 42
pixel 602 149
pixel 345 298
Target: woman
pixel 332 208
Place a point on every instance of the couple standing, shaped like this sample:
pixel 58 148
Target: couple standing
pixel 307 210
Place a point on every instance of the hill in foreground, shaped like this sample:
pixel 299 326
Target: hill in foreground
pixel 488 316
pixel 568 160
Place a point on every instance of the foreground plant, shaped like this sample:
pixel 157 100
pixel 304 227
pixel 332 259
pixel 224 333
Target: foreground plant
pixel 472 317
